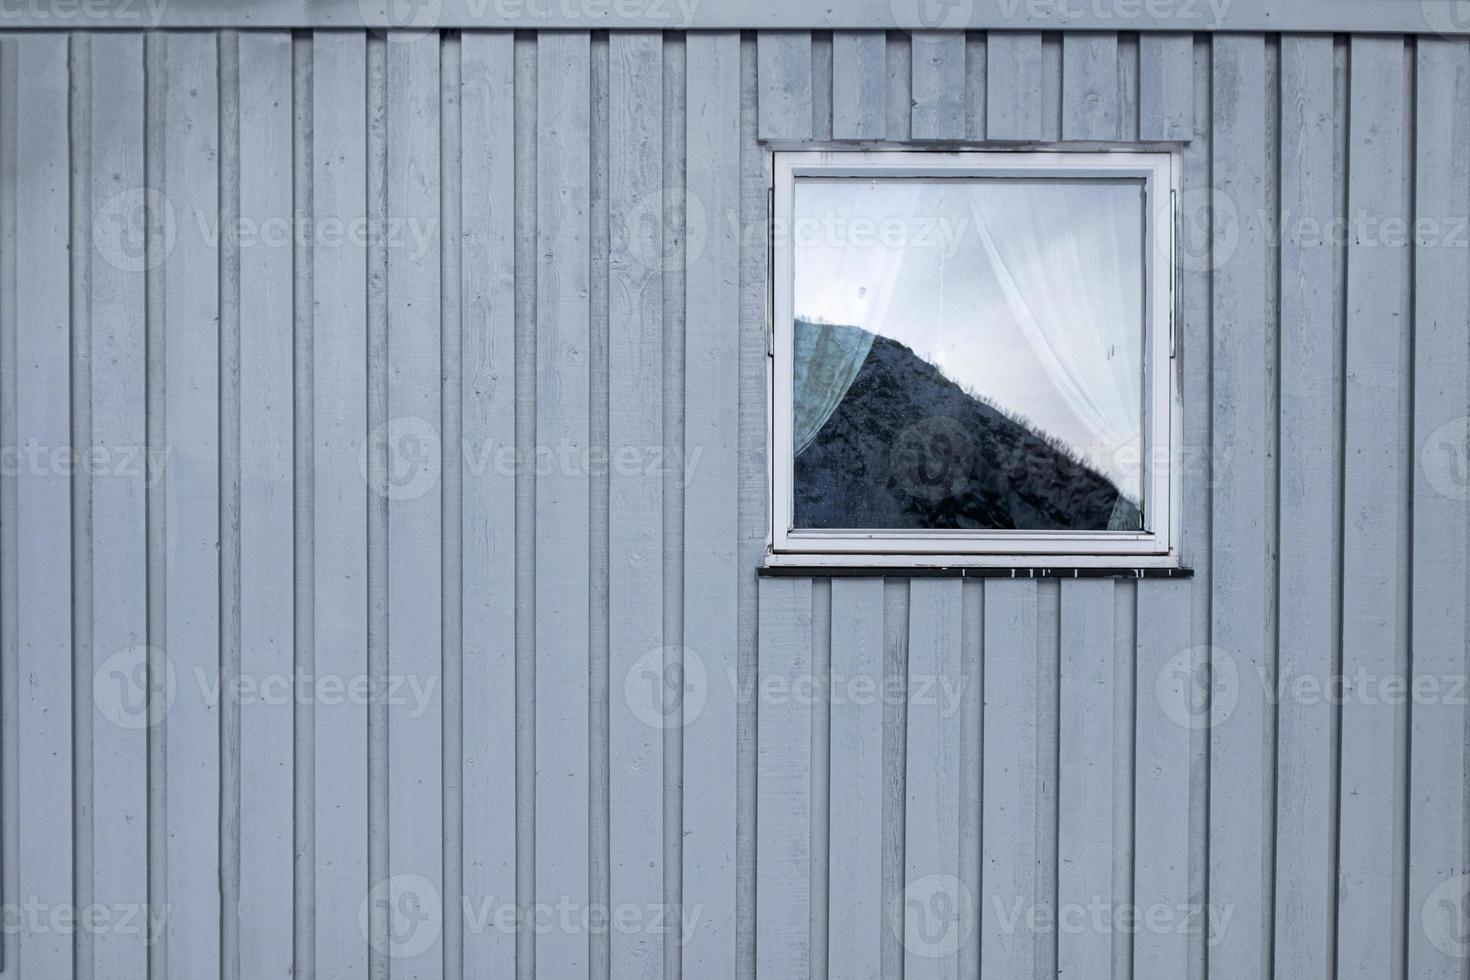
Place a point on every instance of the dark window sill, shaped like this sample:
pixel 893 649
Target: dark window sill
pixel 972 571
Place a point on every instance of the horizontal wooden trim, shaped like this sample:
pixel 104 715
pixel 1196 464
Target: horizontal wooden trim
pixel 1443 17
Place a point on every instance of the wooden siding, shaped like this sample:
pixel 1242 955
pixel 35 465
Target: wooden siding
pixel 434 365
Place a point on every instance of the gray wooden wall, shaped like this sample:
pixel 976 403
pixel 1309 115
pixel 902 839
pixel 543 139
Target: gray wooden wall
pixel 485 425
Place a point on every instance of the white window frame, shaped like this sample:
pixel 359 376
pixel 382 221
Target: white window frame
pixel 1154 548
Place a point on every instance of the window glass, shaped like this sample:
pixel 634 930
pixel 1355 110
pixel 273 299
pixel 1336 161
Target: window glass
pixel 968 354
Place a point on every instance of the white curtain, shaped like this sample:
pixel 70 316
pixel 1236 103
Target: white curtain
pixel 1067 261
pixel 846 268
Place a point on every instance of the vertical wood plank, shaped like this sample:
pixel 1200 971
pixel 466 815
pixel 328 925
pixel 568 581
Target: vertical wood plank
pixel 1193 247
pixel 562 492
pixel 784 70
pixel 751 368
pixel 1310 423
pixel 1086 835
pixel 821 85
pixel 895 731
pixel 1371 843
pixel 1165 86
pixel 1010 784
pixel 1437 804
pixel 938 909
pixel 190 128
pixel 820 753
pixel 525 111
pixel 488 400
pixel 969 702
pixel 414 429
pixel 119 505
pixel 900 85
pixel 9 561
pixel 974 85
pixel 339 496
pixel 42 323
pixel 1090 86
pixel 1013 85
pixel 267 608
pixel 856 919
pixel 783 802
pixel 1241 768
pixel 1127 88
pixel 1051 86
pixel 711 458
pixel 1162 765
pixel 450 222
pixel 858 84
pixel 640 708
pixel 938 68
pixel 231 663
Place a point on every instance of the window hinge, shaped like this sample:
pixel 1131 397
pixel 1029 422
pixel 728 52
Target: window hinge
pixel 1173 273
pixel 770 269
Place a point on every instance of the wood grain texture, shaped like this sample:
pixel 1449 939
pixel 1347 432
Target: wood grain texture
pixel 794 830
pixel 785 75
pixel 339 359
pixel 414 451
pixel 1165 86
pixel 1311 366
pixel 191 641
pixel 1013 86
pixel 1242 660
pixel 938 68
pixel 859 87
pixel 938 909
pixel 1372 815
pixel 43 396
pixel 751 370
pixel 119 517
pixel 1367 16
pixel 639 707
pixel 857 918
pixel 266 475
pixel 711 481
pixel 562 490
pixel 1013 892
pixel 488 418
pixel 783 802
pixel 1163 764
pixel 1437 805
pixel 1090 109
pixel 1086 835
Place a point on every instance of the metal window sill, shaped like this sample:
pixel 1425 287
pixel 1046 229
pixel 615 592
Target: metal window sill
pixel 789 569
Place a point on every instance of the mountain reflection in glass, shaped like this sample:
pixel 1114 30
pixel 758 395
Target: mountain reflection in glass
pixel 968 354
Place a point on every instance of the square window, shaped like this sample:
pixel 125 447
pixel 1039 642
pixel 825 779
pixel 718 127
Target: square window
pixel 972 358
